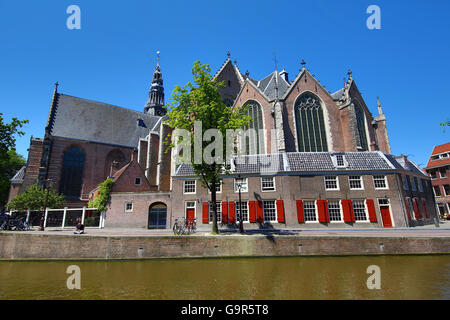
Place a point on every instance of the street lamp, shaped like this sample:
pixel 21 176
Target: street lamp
pixel 41 225
pixel 241 223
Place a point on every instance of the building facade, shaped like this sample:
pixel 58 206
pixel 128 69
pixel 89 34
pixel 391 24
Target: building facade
pixel 438 168
pixel 318 159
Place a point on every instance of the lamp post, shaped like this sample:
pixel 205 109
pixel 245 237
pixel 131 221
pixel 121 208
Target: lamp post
pixel 239 185
pixel 41 225
pixel 241 223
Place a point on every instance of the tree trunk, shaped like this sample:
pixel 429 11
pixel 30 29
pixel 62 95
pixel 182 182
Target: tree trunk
pixel 215 229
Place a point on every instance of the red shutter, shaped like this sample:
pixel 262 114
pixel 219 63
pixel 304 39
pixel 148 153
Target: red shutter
pixel 205 212
pixel 348 210
pixel 417 213
pixel 300 215
pixel 407 208
pixel 252 211
pixel 259 211
pixel 232 213
pixel 424 202
pixel 371 208
pixel 323 210
pixel 224 212
pixel 280 211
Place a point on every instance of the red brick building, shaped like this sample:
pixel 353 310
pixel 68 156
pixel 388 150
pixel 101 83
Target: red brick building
pixel 438 168
pixel 334 135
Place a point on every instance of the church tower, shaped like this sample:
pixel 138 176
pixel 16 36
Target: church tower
pixel 155 102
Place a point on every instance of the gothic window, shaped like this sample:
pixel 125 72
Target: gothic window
pixel 254 140
pixel 228 102
pixel 72 172
pixel 310 124
pixel 115 160
pixel 361 125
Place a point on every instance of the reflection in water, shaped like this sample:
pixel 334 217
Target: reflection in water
pixel 402 277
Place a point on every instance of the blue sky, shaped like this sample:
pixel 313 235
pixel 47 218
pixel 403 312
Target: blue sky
pixel 111 59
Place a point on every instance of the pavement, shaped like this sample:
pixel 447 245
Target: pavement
pixel 421 231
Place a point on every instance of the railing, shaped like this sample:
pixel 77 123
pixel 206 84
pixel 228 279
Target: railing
pixel 63 218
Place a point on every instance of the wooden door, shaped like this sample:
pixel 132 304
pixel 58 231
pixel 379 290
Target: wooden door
pixel 190 214
pixel 386 216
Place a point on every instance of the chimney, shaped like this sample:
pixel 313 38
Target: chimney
pixel 284 75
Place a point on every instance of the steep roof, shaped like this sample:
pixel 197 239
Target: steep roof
pixel 443 148
pixel 88 120
pixel 269 84
pixel 18 177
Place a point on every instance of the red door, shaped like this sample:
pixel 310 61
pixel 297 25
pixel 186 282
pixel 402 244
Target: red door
pixel 190 214
pixel 386 216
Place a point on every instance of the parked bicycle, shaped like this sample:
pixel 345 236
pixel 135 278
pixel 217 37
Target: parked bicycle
pixel 185 226
pixel 14 224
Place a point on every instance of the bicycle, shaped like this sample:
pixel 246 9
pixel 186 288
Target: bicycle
pixel 185 226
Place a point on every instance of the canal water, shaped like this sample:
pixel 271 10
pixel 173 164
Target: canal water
pixel 401 277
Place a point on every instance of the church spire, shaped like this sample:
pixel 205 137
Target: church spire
pixel 155 102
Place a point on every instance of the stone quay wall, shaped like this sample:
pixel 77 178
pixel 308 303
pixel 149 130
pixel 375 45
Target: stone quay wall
pixel 22 246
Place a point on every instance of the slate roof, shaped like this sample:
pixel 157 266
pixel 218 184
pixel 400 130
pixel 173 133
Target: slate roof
pixel 338 94
pixel 88 120
pixel 18 177
pixel 268 84
pixel 310 162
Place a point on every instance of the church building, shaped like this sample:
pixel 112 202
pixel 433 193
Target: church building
pixel 319 159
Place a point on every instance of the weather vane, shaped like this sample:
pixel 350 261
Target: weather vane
pixel 157 57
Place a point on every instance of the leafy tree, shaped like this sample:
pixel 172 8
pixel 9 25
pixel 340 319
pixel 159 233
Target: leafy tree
pixel 34 199
pixel 102 199
pixel 201 101
pixel 10 161
pixel 9 164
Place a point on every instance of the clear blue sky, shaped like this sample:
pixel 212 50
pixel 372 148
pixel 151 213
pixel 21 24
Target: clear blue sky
pixel 112 57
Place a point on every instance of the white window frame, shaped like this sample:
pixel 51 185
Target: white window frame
pixel 219 211
pixel 440 173
pixel 420 184
pixel 274 185
pixel 361 180
pixel 236 189
pixel 405 183
pixel 440 191
pixel 315 211
pixel 140 181
pixel 237 211
pixel 445 192
pixel 264 209
pixel 220 188
pixel 385 182
pixel 366 211
pixel 414 184
pixel 184 187
pixel 340 210
pixel 325 183
pixel 128 210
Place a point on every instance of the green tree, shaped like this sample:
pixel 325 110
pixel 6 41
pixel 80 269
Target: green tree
pixel 102 199
pixel 10 161
pixel 201 101
pixel 34 199
pixel 9 164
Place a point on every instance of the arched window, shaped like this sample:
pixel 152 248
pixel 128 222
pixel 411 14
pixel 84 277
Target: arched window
pixel 311 133
pixel 361 125
pixel 72 172
pixel 254 143
pixel 114 161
